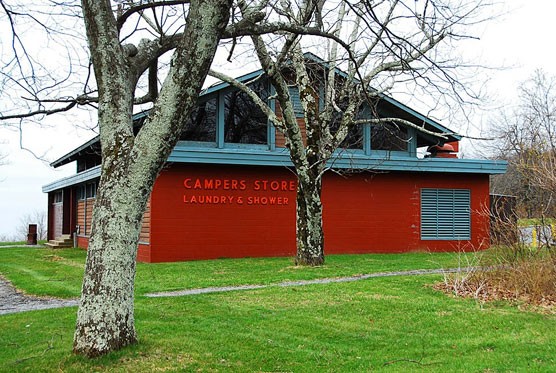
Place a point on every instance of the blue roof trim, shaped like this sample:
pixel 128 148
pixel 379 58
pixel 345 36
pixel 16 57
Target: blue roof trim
pixel 420 116
pixel 344 160
pixel 59 161
pixel 219 86
pixel 185 153
pixel 90 174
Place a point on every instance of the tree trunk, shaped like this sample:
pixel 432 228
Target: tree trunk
pixel 310 236
pixel 105 320
pixel 130 164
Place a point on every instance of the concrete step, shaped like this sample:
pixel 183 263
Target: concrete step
pixel 57 246
pixel 64 237
pixel 68 240
pixel 60 243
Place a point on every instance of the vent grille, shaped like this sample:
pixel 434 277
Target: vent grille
pixel 445 214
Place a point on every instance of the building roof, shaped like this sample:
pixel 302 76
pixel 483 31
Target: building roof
pixel 390 103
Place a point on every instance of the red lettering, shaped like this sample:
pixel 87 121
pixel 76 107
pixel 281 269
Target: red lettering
pixel 193 199
pixel 222 199
pixel 265 182
pixel 279 200
pixel 292 187
pixel 226 184
pixel 187 183
pixel 209 184
pixel 208 199
pixel 230 199
pixel 239 200
pixel 284 185
pixel 242 185
pixel 285 201
pixel 257 185
pixel 256 200
pixel 274 185
pixel 264 200
pixel 198 184
pixel 272 200
pixel 185 199
pixel 217 183
pixel 234 184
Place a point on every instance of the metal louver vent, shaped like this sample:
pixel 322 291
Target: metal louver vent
pixel 445 214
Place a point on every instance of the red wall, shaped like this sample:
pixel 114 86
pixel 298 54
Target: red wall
pixel 185 231
pixel 363 212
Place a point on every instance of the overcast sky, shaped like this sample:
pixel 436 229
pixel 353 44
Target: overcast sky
pixel 521 40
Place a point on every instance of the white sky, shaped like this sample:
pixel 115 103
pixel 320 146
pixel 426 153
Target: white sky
pixel 521 40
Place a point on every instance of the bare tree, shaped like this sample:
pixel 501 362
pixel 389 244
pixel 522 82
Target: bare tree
pixel 527 139
pixel 37 217
pixel 126 40
pixel 387 43
pixel 372 48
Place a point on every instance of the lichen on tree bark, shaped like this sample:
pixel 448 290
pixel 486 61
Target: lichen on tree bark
pixel 130 164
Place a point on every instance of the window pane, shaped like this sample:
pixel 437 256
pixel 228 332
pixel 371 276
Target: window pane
pixel 202 123
pixel 244 121
pixel 91 190
pixel 389 136
pixel 81 192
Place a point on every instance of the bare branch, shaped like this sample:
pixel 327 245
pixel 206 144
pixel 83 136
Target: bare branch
pixel 148 5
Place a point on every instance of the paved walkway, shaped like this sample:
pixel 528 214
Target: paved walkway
pixel 14 301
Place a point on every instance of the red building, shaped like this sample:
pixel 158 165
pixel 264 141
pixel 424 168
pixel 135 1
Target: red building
pixel 228 189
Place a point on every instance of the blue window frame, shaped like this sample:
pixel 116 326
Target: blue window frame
pixel 445 214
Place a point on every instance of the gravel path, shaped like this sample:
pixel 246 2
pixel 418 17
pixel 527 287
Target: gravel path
pixel 13 301
pixel 180 293
pixel 20 246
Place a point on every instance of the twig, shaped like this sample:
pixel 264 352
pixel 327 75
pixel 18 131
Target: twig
pixel 49 347
pixel 408 361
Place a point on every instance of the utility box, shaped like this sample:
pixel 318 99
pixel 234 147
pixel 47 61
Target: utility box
pixel 32 235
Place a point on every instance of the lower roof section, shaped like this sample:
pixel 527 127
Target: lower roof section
pixel 90 174
pixel 377 160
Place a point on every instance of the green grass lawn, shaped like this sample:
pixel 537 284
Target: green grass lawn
pixel 12 243
pixel 347 327
pixel 59 273
pixel 340 327
pixel 535 221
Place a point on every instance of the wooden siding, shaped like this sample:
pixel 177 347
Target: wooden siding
pixel 144 236
pixel 280 141
pixel 85 211
pixel 89 215
pixel 81 216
